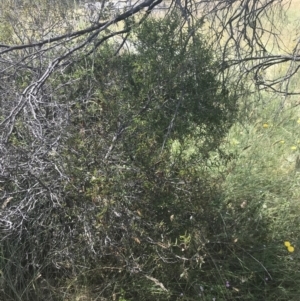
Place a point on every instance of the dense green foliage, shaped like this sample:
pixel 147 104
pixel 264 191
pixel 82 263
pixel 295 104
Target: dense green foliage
pixel 140 144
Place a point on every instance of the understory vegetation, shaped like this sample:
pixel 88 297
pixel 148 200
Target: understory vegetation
pixel 148 173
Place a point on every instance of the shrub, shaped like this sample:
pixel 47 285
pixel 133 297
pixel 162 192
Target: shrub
pixel 133 200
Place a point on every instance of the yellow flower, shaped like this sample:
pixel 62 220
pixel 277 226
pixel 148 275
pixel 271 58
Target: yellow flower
pixel 265 125
pixel 293 147
pixel 282 141
pixel 290 248
pixel 298 121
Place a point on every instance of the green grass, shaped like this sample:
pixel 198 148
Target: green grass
pixel 261 199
